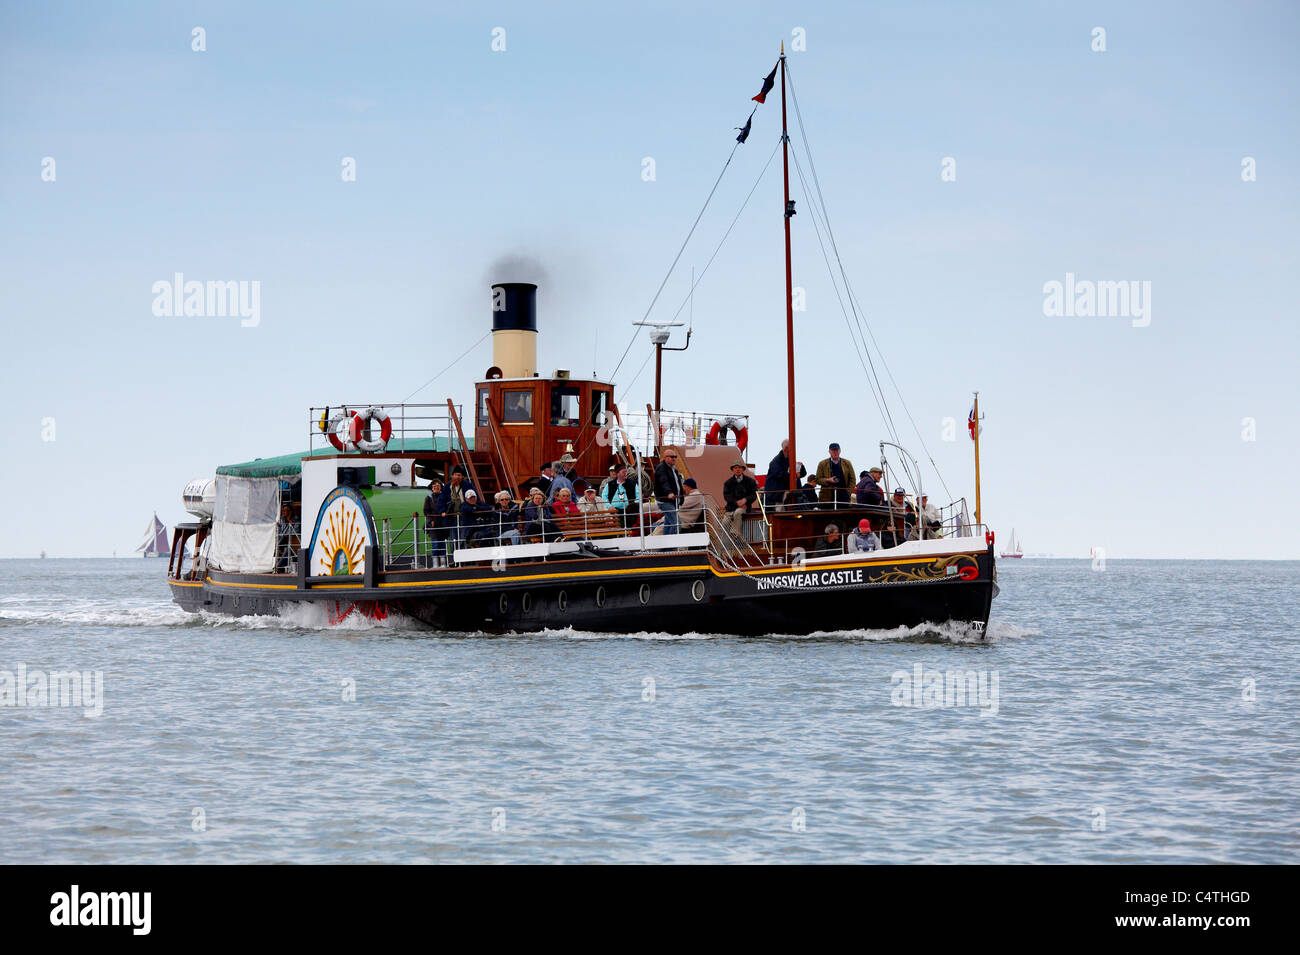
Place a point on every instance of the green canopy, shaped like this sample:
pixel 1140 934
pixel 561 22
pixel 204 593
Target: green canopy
pixel 289 464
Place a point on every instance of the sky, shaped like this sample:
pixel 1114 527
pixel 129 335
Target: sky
pixel 1173 434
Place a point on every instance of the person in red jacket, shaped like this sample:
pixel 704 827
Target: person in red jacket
pixel 563 505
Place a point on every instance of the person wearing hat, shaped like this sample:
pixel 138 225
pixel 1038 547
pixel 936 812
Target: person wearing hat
pixel 561 482
pixel 692 508
pixel 835 478
pixel 740 491
pixel 544 481
pixel 901 519
pixel 474 517
pixel 453 493
pixel 928 516
pixel 868 490
pixel 591 503
pixel 668 490
pixel 607 482
pixel 567 462
pixel 863 539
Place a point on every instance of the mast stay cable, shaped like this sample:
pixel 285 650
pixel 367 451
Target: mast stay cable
pixel 676 258
pixel 854 304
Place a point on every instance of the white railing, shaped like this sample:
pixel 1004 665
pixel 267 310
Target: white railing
pixel 407 421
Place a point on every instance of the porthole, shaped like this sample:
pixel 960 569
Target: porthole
pixel 562 600
pixel 697 590
pixel 600 596
pixel 526 602
pixel 503 604
pixel 644 593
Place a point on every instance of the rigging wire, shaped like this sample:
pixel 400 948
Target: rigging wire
pixel 448 368
pixel 734 220
pixel 676 258
pixel 856 306
pixel 864 354
pixel 627 389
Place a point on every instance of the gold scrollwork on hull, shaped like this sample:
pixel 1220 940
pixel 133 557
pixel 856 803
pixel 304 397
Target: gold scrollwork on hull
pixel 961 566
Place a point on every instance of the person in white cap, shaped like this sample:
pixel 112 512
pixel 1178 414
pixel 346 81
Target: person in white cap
pixel 473 515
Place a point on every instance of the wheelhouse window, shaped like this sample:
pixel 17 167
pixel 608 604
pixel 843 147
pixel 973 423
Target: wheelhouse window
pixel 482 408
pixel 600 409
pixel 565 400
pixel 517 407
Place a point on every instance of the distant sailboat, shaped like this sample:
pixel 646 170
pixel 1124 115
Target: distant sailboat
pixel 155 540
pixel 1013 548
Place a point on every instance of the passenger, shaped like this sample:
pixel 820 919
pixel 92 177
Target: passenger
pixel 863 539
pixel 536 517
pixel 900 519
pixel 740 491
pixel 607 482
pixel 434 520
pixel 832 543
pixel 668 490
pixel 623 495
pixel 777 482
pixel 474 520
pixel 544 481
pixel 692 508
pixel 450 501
pixel 563 505
pixel 929 517
pixel 568 468
pixel 559 483
pixel 590 502
pixel 868 490
pixel 805 497
pixel 833 475
pixel 453 493
pixel 505 519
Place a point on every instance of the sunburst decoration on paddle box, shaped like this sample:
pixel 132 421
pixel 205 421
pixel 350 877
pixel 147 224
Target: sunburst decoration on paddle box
pixel 343 531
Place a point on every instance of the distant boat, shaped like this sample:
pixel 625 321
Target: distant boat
pixel 1013 549
pixel 42 555
pixel 155 540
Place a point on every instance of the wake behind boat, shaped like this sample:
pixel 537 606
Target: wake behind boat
pixel 552 506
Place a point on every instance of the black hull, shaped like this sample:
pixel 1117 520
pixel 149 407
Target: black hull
pixel 675 593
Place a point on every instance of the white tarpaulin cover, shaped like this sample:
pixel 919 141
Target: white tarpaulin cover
pixel 244 519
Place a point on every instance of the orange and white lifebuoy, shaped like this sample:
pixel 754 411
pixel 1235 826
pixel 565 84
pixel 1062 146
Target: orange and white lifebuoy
pixel 357 429
pixel 718 433
pixel 331 430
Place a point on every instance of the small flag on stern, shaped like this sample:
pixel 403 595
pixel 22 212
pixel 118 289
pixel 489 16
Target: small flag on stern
pixel 744 130
pixel 768 82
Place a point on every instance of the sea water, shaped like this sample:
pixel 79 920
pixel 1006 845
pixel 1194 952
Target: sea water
pixel 1143 711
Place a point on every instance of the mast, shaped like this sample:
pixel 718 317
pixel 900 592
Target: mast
pixel 976 434
pixel 789 286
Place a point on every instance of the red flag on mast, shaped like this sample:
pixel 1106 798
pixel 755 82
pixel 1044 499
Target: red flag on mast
pixel 768 82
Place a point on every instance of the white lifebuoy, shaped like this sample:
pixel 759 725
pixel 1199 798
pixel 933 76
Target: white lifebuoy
pixel 358 428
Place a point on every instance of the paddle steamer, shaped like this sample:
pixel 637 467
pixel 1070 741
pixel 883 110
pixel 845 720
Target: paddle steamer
pixel 343 526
